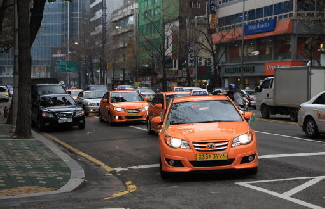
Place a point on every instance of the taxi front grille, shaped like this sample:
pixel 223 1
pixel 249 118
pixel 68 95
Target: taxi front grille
pixel 64 114
pixel 210 146
pixel 133 117
pixel 212 163
pixel 133 110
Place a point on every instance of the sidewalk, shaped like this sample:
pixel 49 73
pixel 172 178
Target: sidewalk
pixel 32 167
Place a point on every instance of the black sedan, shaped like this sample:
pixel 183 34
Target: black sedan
pixel 57 110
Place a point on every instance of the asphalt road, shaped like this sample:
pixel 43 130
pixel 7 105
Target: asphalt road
pixel 291 172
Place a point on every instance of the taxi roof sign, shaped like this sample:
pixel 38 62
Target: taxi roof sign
pixel 199 92
pixel 178 89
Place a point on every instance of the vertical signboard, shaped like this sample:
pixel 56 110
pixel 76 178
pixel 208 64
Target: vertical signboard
pixel 213 13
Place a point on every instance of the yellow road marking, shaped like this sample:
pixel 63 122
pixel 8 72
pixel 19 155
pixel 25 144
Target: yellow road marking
pixel 276 121
pixel 130 186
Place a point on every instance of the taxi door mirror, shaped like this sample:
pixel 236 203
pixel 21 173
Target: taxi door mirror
pixel 146 99
pixel 247 115
pixel 156 120
pixel 159 106
pixel 104 100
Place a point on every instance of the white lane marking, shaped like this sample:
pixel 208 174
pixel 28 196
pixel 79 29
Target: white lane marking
pixel 259 157
pixel 286 136
pixel 139 128
pixel 287 195
pixel 291 155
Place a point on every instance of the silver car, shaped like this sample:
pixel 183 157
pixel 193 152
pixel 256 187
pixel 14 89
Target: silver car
pixel 4 93
pixel 89 101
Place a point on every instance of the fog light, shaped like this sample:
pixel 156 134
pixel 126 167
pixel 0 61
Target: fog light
pixel 171 162
pixel 174 163
pixel 251 158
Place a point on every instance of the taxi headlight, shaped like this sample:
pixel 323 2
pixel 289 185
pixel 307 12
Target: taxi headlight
pixel 119 109
pixel 177 143
pixel 47 115
pixel 145 108
pixel 242 140
pixel 80 113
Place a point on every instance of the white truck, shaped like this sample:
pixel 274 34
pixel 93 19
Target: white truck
pixel 290 86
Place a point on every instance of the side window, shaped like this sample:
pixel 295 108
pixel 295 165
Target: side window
pixel 320 99
pixel 105 96
pixel 80 94
pixel 266 84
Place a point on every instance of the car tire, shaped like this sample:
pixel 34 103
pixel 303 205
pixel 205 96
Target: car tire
pixel 163 174
pixel 310 128
pixel 100 117
pixel 40 125
pixel 82 125
pixel 109 119
pixel 86 113
pixel 293 115
pixel 149 128
pixel 265 111
pixel 252 171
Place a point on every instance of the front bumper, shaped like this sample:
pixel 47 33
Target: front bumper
pixel 119 117
pixel 184 160
pixel 54 122
pixel 91 109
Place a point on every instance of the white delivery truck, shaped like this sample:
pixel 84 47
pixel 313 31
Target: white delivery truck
pixel 290 86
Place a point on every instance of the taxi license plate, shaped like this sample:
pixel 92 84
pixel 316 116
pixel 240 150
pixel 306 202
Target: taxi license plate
pixel 212 156
pixel 65 120
pixel 133 114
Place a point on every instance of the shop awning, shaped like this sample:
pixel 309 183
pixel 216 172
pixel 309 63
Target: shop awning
pixel 282 27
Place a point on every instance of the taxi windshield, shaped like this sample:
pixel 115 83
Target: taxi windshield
pixel 93 94
pixel 56 101
pixel 203 112
pixel 126 97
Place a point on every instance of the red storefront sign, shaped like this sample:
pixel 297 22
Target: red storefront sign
pixel 269 66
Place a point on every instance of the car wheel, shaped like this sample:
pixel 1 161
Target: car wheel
pixel 82 125
pixel 163 174
pixel 311 129
pixel 86 113
pixel 252 171
pixel 109 119
pixel 40 125
pixel 293 115
pixel 100 117
pixel 265 111
pixel 150 131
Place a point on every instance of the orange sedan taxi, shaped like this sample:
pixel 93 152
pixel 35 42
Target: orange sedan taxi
pixel 158 106
pixel 123 106
pixel 202 133
pixel 74 92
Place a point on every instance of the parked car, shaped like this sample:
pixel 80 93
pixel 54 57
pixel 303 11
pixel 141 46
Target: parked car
pixel 311 116
pixel 57 110
pixel 158 106
pixel 121 106
pixel 74 92
pixel 202 133
pixel 93 87
pixel 145 92
pixel 89 100
pixel 4 93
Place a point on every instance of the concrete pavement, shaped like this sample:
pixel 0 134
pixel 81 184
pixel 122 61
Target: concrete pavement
pixel 33 167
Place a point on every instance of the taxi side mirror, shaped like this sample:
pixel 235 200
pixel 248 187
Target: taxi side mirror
pixel 104 100
pixel 156 120
pixel 248 115
pixel 146 99
pixel 159 106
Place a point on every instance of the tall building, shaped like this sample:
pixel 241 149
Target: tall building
pixel 255 36
pixel 60 26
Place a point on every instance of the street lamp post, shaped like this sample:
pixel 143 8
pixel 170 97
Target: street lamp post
pixel 242 49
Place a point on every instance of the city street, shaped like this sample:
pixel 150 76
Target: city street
pixel 291 172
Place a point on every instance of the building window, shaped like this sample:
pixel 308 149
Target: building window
pixel 195 4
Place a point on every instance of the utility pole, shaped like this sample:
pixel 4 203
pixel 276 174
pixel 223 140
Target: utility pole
pixel 242 49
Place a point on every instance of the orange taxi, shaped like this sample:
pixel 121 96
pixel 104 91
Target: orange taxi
pixel 158 106
pixel 123 106
pixel 74 92
pixel 202 133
